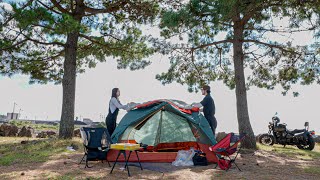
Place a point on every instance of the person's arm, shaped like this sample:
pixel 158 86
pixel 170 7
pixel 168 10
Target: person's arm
pixel 131 105
pixel 204 101
pixel 198 105
pixel 201 104
pixel 116 103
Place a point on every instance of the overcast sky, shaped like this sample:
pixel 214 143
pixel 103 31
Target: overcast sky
pixel 93 92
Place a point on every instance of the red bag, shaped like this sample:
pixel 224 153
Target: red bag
pixel 224 164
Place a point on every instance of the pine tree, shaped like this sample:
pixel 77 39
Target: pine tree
pixel 53 40
pixel 227 37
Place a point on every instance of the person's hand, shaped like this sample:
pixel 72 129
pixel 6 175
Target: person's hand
pixel 193 104
pixel 132 104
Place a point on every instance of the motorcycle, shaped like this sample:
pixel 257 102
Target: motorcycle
pixel 279 134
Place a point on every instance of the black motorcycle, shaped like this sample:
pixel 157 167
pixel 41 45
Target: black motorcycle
pixel 279 134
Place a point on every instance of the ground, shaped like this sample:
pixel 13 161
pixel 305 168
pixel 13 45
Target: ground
pixel 49 159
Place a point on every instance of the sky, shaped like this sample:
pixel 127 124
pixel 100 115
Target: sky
pixel 93 91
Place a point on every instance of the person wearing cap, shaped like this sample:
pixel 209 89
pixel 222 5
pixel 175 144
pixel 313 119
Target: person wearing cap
pixel 209 108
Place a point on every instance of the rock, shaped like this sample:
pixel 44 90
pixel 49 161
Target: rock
pixel 14 130
pixel 45 134
pixel 74 146
pixel 29 132
pixel 22 174
pixel 42 134
pixel 76 133
pixel 51 133
pixel 8 130
pixel 23 132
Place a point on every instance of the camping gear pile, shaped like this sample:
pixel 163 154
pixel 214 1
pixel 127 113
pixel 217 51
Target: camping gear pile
pixel 165 131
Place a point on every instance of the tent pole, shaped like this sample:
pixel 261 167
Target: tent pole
pixel 158 136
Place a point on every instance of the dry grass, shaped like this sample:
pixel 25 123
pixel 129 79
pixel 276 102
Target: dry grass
pixel 266 163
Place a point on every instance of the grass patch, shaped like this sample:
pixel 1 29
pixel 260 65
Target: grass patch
pixel 13 152
pixel 40 127
pixel 312 170
pixel 292 151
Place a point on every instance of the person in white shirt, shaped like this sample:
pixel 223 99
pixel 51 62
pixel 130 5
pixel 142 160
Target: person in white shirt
pixel 114 106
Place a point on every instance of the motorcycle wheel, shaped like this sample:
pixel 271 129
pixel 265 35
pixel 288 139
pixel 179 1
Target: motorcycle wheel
pixel 266 139
pixel 309 146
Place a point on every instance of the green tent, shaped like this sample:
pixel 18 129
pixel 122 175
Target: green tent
pixel 163 122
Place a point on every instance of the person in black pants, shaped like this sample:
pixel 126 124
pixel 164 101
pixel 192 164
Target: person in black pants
pixel 209 108
pixel 114 106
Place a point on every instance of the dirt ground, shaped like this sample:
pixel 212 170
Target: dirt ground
pixel 258 165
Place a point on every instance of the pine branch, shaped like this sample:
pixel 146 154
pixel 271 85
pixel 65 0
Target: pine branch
pixel 89 38
pixel 195 66
pixel 11 17
pixel 282 30
pixel 271 46
pixel 44 43
pixel 111 8
pixel 49 8
pixel 53 58
pixel 46 27
pixel 57 4
pixel 211 44
pixel 14 45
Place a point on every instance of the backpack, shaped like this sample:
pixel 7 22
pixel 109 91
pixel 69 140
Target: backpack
pixel 200 159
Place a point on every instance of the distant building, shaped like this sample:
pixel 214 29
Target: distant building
pixel 12 116
pixel 87 121
pixel 3 118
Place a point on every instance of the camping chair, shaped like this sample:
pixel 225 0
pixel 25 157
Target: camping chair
pixel 225 148
pixel 96 142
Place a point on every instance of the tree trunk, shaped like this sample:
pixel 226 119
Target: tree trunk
pixel 69 87
pixel 69 78
pixel 241 92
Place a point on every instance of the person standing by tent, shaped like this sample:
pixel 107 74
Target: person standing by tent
pixel 114 106
pixel 209 108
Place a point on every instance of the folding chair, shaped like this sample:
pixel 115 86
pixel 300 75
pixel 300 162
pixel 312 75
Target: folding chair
pixel 96 142
pixel 225 148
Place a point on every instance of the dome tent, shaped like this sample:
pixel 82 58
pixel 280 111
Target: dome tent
pixel 165 125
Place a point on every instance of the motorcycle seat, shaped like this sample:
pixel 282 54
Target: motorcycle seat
pixel 295 131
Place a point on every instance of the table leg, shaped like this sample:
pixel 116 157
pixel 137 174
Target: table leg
pixel 138 160
pixel 115 162
pixel 128 159
pixel 125 158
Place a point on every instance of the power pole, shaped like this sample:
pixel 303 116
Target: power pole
pixel 14 105
pixel 19 113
